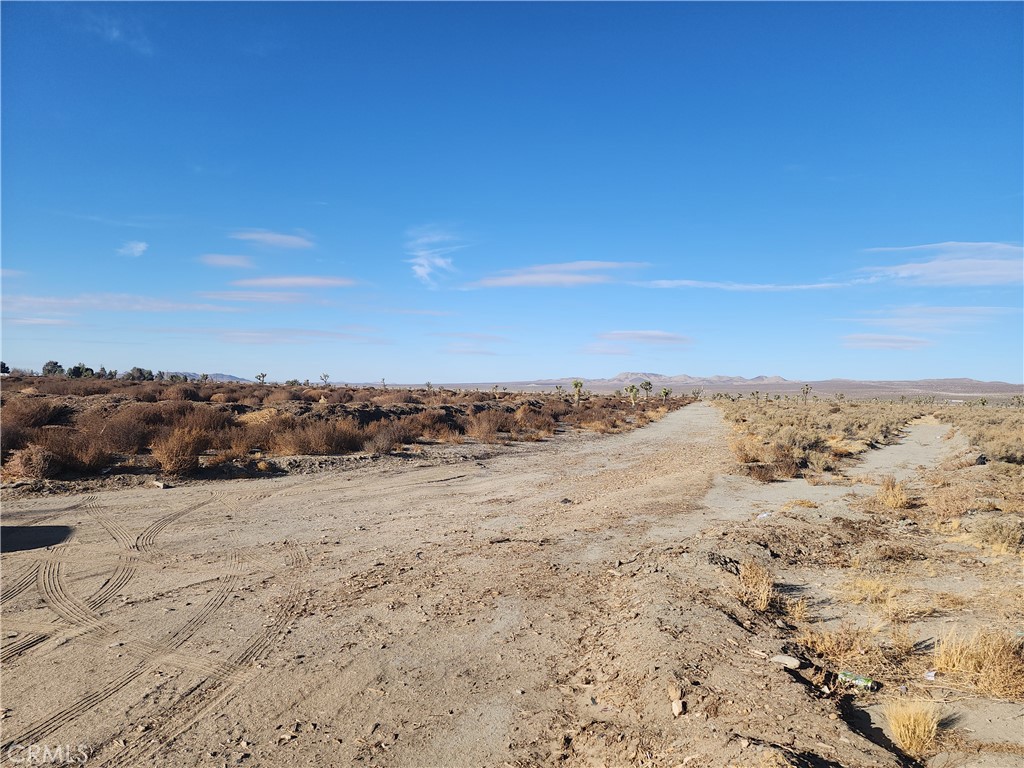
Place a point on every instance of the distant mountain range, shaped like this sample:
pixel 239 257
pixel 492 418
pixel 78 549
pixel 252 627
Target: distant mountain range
pixel 684 384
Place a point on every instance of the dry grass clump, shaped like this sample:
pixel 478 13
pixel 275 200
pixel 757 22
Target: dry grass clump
pixel 841 646
pixel 913 725
pixel 757 586
pixel 989 661
pixel 1004 534
pixel 893 494
pixel 868 591
pixel 178 452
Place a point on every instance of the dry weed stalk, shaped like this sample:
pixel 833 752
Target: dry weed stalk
pixel 757 586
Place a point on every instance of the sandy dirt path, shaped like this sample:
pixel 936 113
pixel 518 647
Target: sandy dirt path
pixel 542 606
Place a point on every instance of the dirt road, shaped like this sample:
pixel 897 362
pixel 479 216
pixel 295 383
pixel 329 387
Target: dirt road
pixel 537 606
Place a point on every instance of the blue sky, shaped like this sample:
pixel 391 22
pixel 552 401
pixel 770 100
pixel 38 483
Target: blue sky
pixel 482 192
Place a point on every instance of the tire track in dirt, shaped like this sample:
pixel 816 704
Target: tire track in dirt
pixel 210 693
pixel 21 583
pixel 50 514
pixel 122 574
pixel 51 584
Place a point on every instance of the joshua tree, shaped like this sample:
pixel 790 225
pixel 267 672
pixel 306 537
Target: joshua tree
pixel 805 390
pixel 4 368
pixel 577 388
pixel 325 377
pixel 632 390
pixel 697 392
pixel 646 386
pixel 666 392
pixel 261 378
pixel 204 377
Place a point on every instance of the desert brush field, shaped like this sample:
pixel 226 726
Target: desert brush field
pixel 232 574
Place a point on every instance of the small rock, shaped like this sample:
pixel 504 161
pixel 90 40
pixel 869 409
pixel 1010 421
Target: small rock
pixel 160 484
pixel 789 662
pixel 678 708
pixel 675 692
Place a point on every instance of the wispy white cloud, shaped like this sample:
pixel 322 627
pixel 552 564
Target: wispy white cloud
pixel 295 281
pixel 133 248
pixel 45 321
pixel 924 319
pixel 955 264
pixel 109 302
pixel 646 337
pixel 273 239
pixel 882 341
pixel 120 31
pixel 472 336
pixel 261 297
pixel 559 275
pixel 226 260
pixel 423 312
pixel 6 274
pixel 752 287
pixel 429 248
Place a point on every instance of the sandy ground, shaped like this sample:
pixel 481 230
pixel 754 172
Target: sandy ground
pixel 537 605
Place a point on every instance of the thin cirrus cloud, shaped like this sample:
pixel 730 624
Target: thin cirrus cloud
pixel 965 264
pixel 925 319
pixel 560 275
pixel 226 260
pixel 120 31
pixel 109 302
pixel 751 287
pixel 39 321
pixel 883 341
pixel 133 248
pixel 257 297
pixel 295 281
pixel 479 337
pixel 646 337
pixel 273 239
pixel 428 248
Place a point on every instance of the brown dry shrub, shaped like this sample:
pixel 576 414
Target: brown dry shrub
pixel 1004 534
pixel 35 462
pixel 396 397
pixel 486 425
pixel 178 451
pixel 387 434
pixel 124 431
pixel 951 502
pixel 28 412
pixel 319 438
pixel 893 494
pixel 764 473
pixel 180 392
pixel 283 395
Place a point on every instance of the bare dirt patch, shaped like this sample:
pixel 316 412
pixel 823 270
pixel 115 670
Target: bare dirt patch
pixel 573 602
